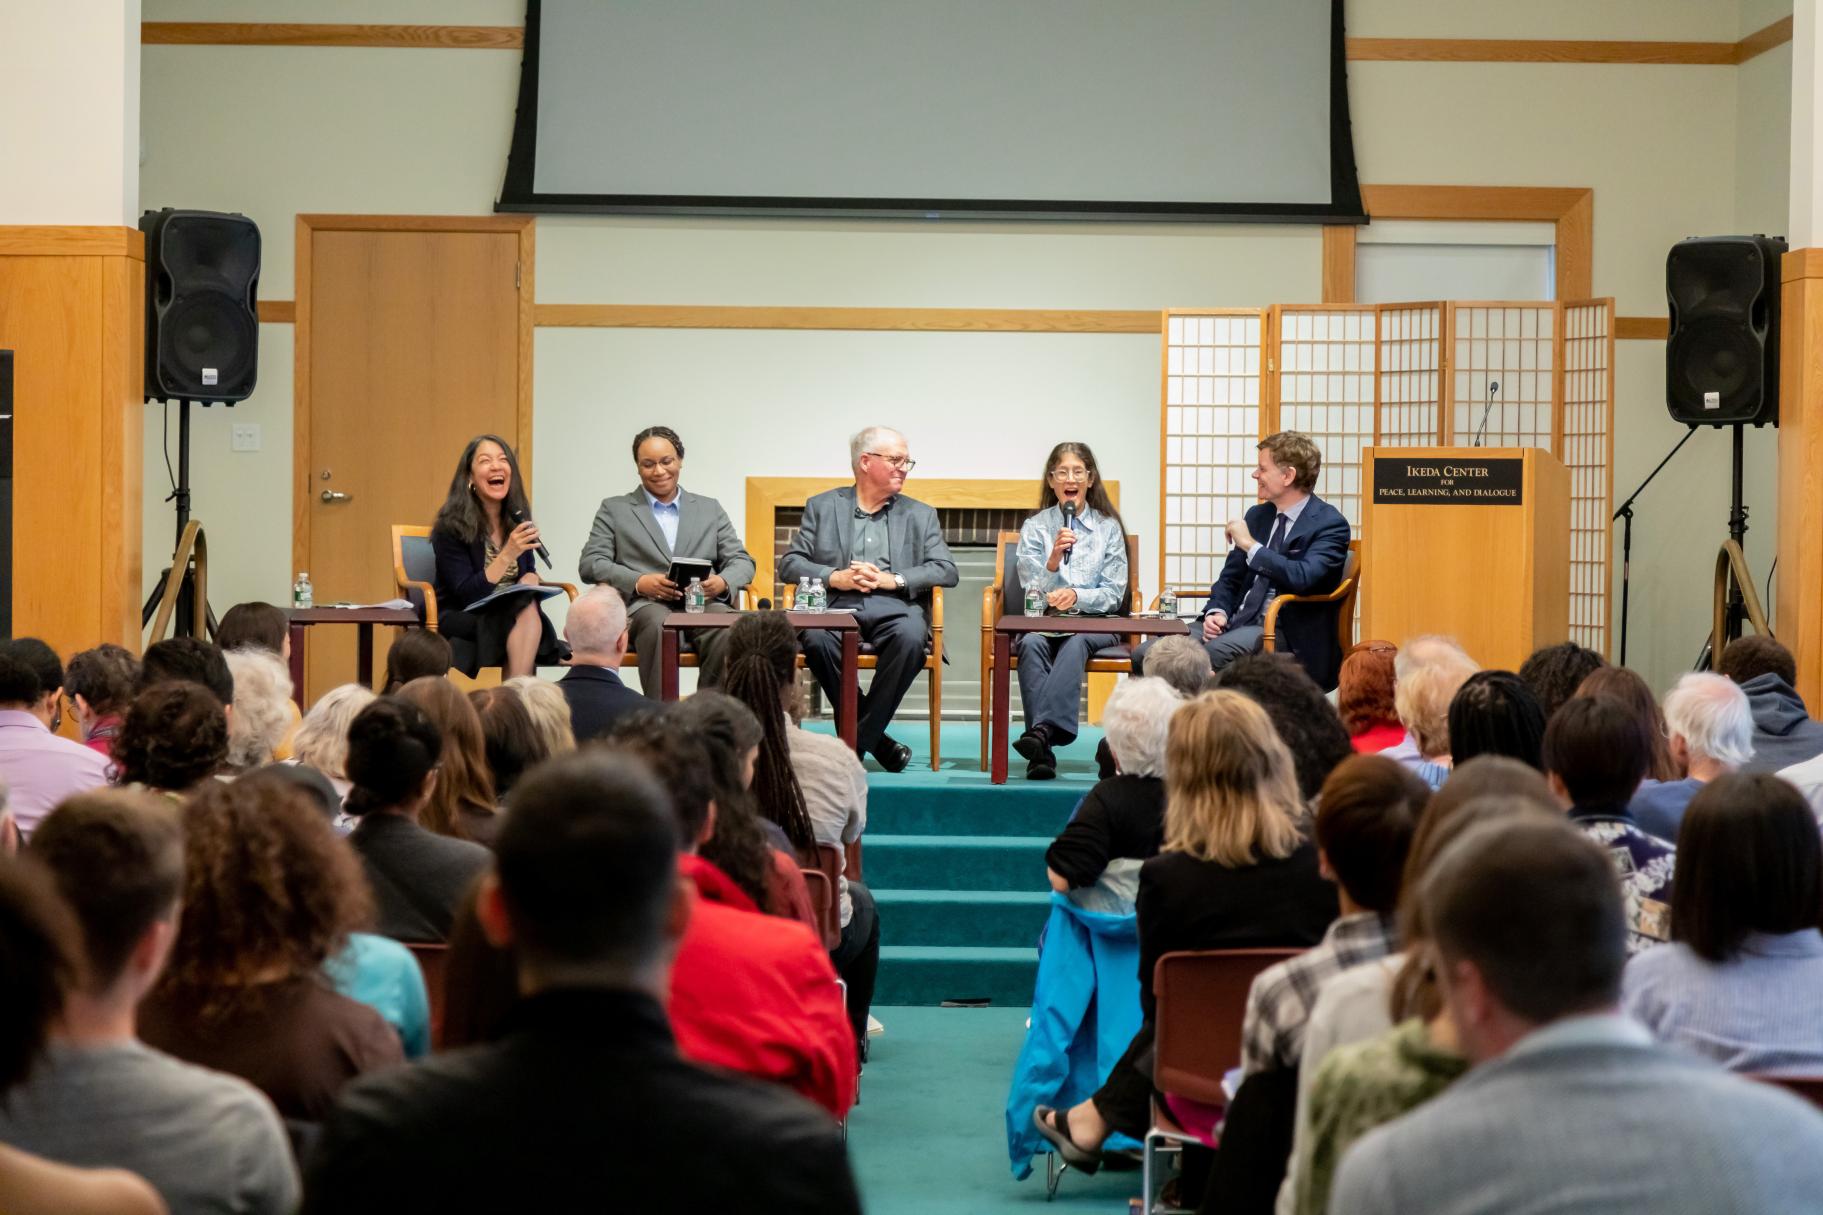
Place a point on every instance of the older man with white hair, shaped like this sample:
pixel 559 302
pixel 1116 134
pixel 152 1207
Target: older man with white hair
pixel 1711 726
pixel 879 553
pixel 596 629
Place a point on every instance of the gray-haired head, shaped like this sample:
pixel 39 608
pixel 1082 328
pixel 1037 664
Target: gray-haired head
pixel 1711 714
pixel 1182 662
pixel 596 622
pixel 1137 720
pixel 868 440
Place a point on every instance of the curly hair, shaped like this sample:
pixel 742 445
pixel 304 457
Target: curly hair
pixel 1554 672
pixel 268 891
pixel 761 665
pixel 262 707
pixel 105 677
pixel 464 783
pixel 39 948
pixel 737 844
pixel 1300 713
pixel 1364 693
pixel 174 735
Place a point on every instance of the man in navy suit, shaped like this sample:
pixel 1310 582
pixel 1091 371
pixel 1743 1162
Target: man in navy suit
pixel 596 629
pixel 1292 543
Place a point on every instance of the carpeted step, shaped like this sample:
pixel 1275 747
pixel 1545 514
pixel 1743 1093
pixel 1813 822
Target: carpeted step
pixel 928 974
pixel 954 862
pixel 962 917
pixel 1015 808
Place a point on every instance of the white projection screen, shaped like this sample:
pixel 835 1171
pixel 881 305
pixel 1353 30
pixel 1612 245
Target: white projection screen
pixel 1082 109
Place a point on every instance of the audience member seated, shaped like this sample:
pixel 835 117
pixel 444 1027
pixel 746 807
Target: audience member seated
pixel 596 629
pixel 100 684
pixel 1364 697
pixel 39 768
pixel 269 896
pixel 1423 698
pixel 1783 732
pixel 100 1097
pixel 761 862
pixel 1299 711
pixel 550 711
pixel 463 805
pixel 1554 672
pixel 417 653
pixel 1181 662
pixel 267 629
pixel 1595 754
pixel 748 993
pixel 1428 649
pixel 1567 1104
pixel 384 975
pixel 1235 872
pixel 43 660
pixel 1495 713
pixel 1743 977
pixel 40 942
pixel 263 709
pixel 811 785
pixel 188 660
pixel 418 876
pixel 1095 859
pixel 509 740
pixel 322 738
pixel 1635 694
pixel 1710 727
pixel 175 738
pixel 586 1093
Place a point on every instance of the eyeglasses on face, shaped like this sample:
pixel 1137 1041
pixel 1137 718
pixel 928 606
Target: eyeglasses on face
pixel 1071 475
pixel 902 463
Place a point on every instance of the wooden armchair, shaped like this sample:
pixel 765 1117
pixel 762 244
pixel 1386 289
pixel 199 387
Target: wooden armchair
pixel 933 663
pixel 414 573
pixel 1006 590
pixel 1344 599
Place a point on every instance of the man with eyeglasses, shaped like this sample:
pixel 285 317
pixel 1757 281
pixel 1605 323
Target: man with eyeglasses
pixel 879 553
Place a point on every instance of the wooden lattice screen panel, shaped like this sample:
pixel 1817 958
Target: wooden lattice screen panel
pixel 1588 452
pixel 1503 354
pixel 1325 369
pixel 1411 365
pixel 1213 390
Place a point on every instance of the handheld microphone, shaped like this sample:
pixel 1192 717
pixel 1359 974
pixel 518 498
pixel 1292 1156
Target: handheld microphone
pixel 519 517
pixel 1069 514
pixel 1481 431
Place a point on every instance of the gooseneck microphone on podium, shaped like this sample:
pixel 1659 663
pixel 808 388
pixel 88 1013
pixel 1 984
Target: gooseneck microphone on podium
pixel 545 553
pixel 1481 431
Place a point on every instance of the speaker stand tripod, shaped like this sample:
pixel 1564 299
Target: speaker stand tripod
pixel 1736 601
pixel 181 598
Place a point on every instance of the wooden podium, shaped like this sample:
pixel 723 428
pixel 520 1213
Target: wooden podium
pixel 1470 542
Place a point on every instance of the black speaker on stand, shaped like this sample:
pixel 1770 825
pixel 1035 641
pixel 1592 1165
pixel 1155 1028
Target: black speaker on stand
pixel 202 345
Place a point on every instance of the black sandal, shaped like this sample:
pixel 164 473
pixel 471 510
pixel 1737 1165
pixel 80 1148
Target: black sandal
pixel 1054 1125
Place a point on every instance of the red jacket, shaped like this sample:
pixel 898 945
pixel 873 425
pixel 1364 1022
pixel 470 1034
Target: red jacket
pixel 756 994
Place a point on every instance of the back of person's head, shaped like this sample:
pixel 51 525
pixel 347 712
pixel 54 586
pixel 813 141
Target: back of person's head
pixel 1231 793
pixel 187 660
pixel 262 707
pixel 392 747
pixel 1750 657
pixel 118 860
pixel 1563 954
pixel 253 626
pixel 1302 715
pixel 512 742
pixel 1364 691
pixel 1598 750
pixel 1626 686
pixel 322 737
pixel 1137 719
pixel 596 621
pixel 587 865
pixel 105 677
pixel 1711 714
pixel 1495 713
pixel 39 944
pixel 20 687
pixel 1554 672
pixel 416 654
pixel 39 656
pixel 1365 819
pixel 1748 860
pixel 270 893
pixel 464 782
pixel 1422 700
pixel 1181 662
pixel 550 712
pixel 737 844
pixel 726 721
pixel 760 669
pixel 1427 649
pixel 174 735
pixel 680 763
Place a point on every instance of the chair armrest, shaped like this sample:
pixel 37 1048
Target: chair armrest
pixel 1271 623
pixel 749 595
pixel 936 623
pixel 990 611
pixel 430 599
pixel 788 595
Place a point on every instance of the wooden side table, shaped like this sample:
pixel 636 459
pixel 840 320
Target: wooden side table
pixel 363 619
pixel 847 714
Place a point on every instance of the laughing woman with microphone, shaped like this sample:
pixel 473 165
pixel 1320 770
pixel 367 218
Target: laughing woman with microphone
pixel 1074 553
pixel 484 540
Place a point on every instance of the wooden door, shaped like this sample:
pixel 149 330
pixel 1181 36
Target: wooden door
pixel 413 335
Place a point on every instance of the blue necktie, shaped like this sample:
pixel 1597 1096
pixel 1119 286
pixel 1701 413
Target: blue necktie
pixel 1254 602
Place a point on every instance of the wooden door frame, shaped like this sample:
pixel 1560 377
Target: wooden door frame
pixel 522 226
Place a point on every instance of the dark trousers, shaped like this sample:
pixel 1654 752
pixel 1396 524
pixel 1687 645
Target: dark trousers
pixel 1125 1100
pixel 1051 671
pixel 895 628
pixel 643 637
pixel 1237 641
pixel 857 960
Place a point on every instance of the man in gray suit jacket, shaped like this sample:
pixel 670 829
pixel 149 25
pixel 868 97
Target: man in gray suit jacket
pixel 1569 1107
pixel 636 537
pixel 879 553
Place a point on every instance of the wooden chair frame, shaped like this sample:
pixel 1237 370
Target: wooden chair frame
pixel 933 665
pixel 403 531
pixel 993 607
pixel 1344 594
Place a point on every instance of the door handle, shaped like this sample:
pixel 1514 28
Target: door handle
pixel 330 495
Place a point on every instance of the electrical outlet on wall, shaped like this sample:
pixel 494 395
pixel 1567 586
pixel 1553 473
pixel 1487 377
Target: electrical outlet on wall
pixel 245 436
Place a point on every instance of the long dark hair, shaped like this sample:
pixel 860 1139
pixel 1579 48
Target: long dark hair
pixel 1748 860
pixel 1096 495
pixel 737 844
pixel 762 663
pixel 460 515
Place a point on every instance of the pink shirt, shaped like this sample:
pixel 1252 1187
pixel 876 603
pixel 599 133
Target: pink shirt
pixel 40 769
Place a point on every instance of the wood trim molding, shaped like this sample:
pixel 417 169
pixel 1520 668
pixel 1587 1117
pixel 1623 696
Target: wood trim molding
pixel 1763 40
pixel 278 312
pixel 47 240
pixel 966 320
pixel 1642 328
pixel 1537 50
pixel 1571 209
pixel 264 33
pixel 1339 263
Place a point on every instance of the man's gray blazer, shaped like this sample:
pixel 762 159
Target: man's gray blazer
pixel 626 543
pixel 915 541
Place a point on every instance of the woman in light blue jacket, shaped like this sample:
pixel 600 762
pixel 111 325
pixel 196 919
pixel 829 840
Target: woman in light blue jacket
pixel 1073 552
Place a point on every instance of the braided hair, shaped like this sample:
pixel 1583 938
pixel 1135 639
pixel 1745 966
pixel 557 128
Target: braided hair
pixel 762 664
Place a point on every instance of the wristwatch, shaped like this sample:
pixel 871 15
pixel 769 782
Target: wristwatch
pixel 899 582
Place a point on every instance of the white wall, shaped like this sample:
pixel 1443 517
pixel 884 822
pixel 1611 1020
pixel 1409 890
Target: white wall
pixel 418 131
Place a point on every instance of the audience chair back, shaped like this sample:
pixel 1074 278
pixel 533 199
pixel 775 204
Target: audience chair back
pixel 830 864
pixel 414 570
pixel 432 959
pixel 1341 601
pixel 1202 1000
pixel 851 861
pixel 823 900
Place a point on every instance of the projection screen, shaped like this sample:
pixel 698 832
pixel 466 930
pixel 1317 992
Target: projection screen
pixel 1083 109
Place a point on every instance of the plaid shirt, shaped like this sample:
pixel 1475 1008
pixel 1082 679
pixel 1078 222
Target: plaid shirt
pixel 1279 1003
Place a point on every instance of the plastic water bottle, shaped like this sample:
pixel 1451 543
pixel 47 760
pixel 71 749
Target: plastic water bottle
pixel 694 596
pixel 302 596
pixel 1167 604
pixel 819 596
pixel 801 601
pixel 1034 602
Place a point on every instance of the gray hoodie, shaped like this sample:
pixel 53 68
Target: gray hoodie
pixel 1783 733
